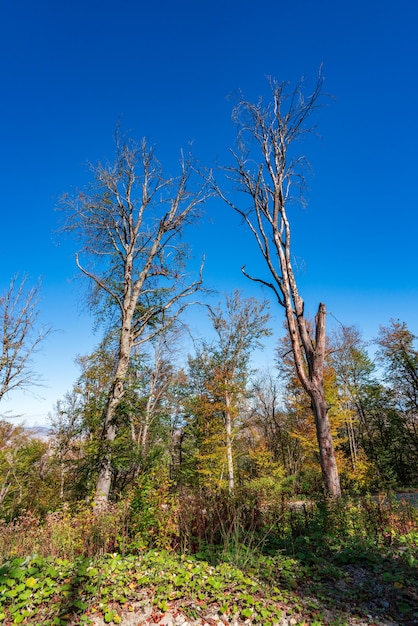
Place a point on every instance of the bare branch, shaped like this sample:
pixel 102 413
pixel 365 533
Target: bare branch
pixel 270 285
pixel 20 337
pixel 130 223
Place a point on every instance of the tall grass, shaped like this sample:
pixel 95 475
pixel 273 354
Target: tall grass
pixel 66 534
pixel 214 526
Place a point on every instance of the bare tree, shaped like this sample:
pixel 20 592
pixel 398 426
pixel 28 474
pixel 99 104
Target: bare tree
pixel 20 336
pixel 267 171
pixel 273 422
pixel 130 222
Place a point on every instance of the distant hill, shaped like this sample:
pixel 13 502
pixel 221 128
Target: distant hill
pixel 38 432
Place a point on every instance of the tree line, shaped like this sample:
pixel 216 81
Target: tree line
pixel 216 425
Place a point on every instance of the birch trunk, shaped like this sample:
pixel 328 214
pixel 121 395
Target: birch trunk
pixel 228 431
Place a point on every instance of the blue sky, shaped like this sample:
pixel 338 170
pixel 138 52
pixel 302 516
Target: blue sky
pixel 167 70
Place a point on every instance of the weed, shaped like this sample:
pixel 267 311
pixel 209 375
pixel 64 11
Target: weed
pixel 328 555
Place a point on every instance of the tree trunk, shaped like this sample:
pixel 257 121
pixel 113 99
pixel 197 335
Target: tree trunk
pixel 146 424
pixel 228 429
pixel 104 481
pixel 312 380
pixel 104 478
pixel 351 440
pixel 329 469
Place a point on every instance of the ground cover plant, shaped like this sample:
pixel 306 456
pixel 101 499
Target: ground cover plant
pixel 345 562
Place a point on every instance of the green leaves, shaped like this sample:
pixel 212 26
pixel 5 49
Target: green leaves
pixel 111 616
pixel 54 591
pixel 299 579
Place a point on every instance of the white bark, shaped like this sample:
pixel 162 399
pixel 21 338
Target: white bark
pixel 228 432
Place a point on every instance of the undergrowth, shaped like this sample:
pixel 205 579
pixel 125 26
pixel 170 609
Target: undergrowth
pixel 195 551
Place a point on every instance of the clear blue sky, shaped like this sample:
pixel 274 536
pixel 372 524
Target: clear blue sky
pixel 70 71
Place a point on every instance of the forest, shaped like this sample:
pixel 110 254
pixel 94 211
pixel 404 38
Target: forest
pixel 280 494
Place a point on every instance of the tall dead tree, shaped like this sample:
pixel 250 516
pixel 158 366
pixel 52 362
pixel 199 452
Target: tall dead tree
pixel 130 223
pixel 266 170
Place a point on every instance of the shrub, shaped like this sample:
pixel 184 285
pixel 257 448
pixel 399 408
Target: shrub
pixel 67 534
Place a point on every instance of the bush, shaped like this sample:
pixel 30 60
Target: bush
pixel 67 534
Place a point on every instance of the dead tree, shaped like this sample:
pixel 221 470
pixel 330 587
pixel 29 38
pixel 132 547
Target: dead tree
pixel 130 222
pixel 266 170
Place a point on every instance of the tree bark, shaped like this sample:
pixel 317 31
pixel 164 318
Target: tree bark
pixel 104 478
pixel 328 462
pixel 309 357
pixel 314 385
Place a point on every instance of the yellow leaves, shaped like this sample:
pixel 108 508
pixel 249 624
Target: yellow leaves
pixel 357 475
pixel 263 461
